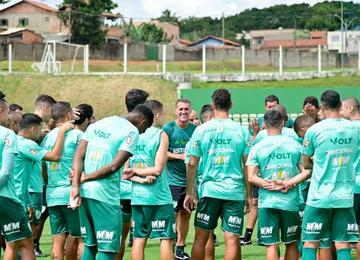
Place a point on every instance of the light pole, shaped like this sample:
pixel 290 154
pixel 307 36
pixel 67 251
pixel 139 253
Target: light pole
pixel 342 35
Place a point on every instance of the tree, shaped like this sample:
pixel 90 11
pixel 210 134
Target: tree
pixel 86 20
pixel 168 17
pixel 150 33
pixel 3 1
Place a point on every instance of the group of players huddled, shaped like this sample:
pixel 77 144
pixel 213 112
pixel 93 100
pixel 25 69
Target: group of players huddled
pixel 98 181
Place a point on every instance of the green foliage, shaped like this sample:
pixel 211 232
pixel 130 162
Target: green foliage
pixel 168 17
pixel 86 20
pixel 150 33
pixel 322 16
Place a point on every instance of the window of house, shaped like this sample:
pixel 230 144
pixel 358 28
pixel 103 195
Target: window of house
pixel 335 38
pixel 47 19
pixel 4 22
pixel 23 22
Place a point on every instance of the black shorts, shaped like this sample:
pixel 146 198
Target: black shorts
pixel 178 194
pixel 255 192
pixel 125 206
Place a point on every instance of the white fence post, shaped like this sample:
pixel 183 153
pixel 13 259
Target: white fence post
pixel 125 58
pixel 86 58
pixel 10 57
pixel 280 60
pixel 359 56
pixel 243 59
pixel 319 58
pixel 204 59
pixel 164 58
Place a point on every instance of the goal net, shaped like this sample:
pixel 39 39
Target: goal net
pixel 62 57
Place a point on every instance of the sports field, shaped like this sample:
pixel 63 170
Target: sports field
pixel 106 94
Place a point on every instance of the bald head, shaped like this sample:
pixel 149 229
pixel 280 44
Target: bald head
pixel 350 108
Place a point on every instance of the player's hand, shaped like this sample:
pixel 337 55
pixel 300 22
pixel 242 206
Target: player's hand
pixel 254 126
pixel 149 179
pixel 310 110
pixel 31 212
pixel 127 173
pixel 67 126
pixel 83 177
pixel 287 186
pixel 190 202
pixel 248 204
pixel 76 113
pixel 75 199
pixel 182 156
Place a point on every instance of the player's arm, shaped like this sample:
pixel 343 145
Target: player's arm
pixel 119 160
pixel 147 180
pixel 254 178
pixel 307 162
pixel 55 154
pixel 302 176
pixel 160 160
pixel 190 201
pixel 44 172
pixel 175 156
pixel 78 163
pixel 248 186
pixel 7 166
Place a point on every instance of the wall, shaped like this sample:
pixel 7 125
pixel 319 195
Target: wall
pixel 251 100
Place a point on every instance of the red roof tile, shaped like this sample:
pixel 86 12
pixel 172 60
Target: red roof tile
pixel 300 43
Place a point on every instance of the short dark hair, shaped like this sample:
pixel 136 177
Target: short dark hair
pixel 221 99
pixel 146 112
pixel 303 121
pixel 330 99
pixel 272 98
pixel 135 97
pixel 44 98
pixel 14 107
pixel 86 112
pixel 205 109
pixel 273 118
pixel 312 101
pixel 282 110
pixel 28 120
pixel 2 97
pixel 354 102
pixel 154 105
pixel 60 110
pixel 183 100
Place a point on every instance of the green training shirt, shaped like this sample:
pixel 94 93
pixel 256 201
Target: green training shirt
pixel 221 145
pixel 157 193
pixel 332 143
pixel 357 163
pixel 58 186
pixel 178 138
pixel 105 139
pixel 277 158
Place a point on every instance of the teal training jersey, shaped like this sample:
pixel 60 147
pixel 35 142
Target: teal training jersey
pixel 277 158
pixel 284 131
pixel 357 164
pixel 58 186
pixel 289 123
pixel 178 138
pixel 332 143
pixel 105 139
pixel 8 145
pixel 29 154
pixel 36 181
pixel 221 144
pixel 125 189
pixel 157 193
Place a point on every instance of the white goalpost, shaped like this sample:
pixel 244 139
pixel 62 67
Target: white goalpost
pixel 71 53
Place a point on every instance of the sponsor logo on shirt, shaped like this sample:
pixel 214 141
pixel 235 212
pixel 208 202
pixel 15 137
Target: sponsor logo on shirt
pixel 220 141
pixel 221 160
pixel 341 140
pixel 306 143
pixel 280 156
pixel 7 142
pixel 102 134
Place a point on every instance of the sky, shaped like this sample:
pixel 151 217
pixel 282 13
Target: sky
pixel 146 9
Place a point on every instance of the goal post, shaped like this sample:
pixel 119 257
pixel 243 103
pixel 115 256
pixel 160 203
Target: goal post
pixel 62 57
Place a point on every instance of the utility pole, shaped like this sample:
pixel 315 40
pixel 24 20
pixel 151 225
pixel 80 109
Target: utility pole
pixel 342 35
pixel 223 26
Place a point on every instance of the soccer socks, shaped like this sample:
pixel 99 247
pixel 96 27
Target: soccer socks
pixel 106 256
pixel 343 254
pixel 89 253
pixel 308 253
pixel 248 234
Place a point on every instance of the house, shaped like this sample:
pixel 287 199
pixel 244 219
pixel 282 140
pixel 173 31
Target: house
pixel 19 35
pixel 258 37
pixel 349 44
pixel 214 41
pixel 171 31
pixel 33 15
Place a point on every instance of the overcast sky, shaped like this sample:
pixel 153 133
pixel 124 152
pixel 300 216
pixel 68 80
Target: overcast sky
pixel 185 8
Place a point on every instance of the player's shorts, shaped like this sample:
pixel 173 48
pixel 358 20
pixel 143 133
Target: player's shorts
pixel 35 202
pixel 14 223
pixel 178 194
pixel 155 222
pixel 273 222
pixel 255 192
pixel 64 220
pixel 338 225
pixel 231 213
pixel 101 225
pixel 357 208
pixel 125 210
